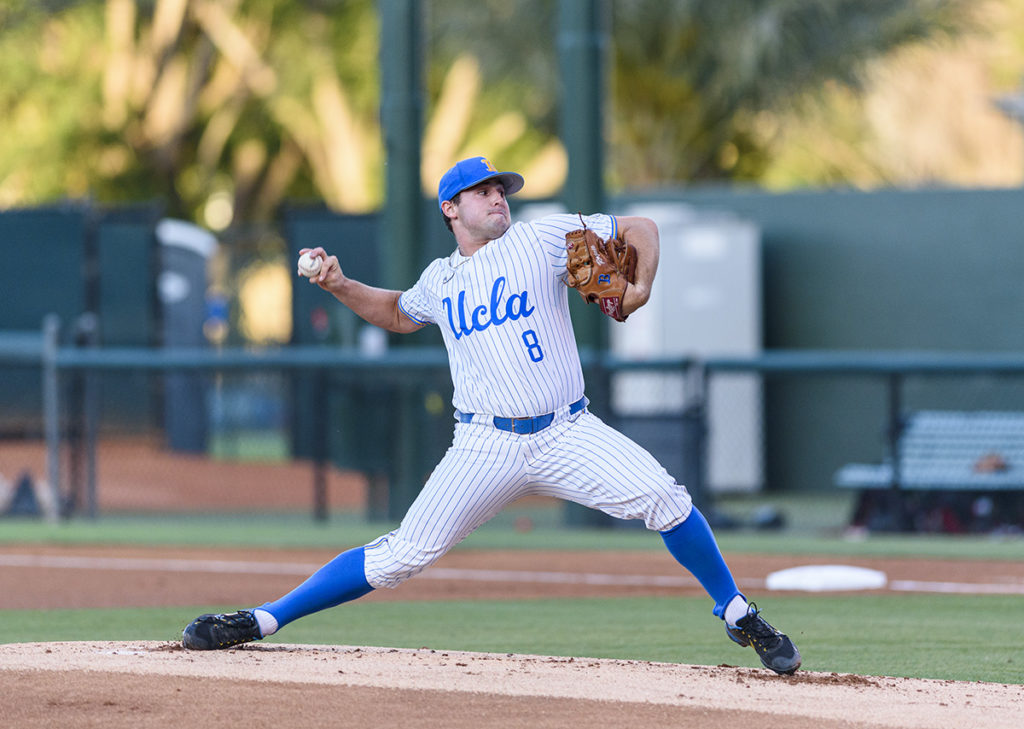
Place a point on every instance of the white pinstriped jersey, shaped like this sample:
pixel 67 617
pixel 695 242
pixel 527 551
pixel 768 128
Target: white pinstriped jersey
pixel 504 316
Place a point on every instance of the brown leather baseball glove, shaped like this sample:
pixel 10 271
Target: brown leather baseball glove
pixel 600 270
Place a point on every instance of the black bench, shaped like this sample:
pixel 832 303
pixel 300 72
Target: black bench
pixel 955 471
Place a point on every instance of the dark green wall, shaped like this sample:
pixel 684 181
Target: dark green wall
pixel 42 270
pixel 123 289
pixel 69 259
pixel 900 270
pixel 930 269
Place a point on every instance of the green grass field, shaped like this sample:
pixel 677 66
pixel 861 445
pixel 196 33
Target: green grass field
pixel 942 637
pixel 957 637
pixel 343 530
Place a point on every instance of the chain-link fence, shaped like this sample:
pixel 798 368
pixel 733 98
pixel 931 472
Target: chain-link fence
pixel 762 442
pixel 921 442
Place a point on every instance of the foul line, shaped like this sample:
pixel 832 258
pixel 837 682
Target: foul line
pixel 1004 588
pixel 294 568
pixel 448 573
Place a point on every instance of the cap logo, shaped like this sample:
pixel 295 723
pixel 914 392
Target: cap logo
pixel 470 172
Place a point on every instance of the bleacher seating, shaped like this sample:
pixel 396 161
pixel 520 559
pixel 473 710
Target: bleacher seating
pixel 961 451
pixel 958 472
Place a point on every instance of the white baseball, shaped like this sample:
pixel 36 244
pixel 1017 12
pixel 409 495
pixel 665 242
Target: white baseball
pixel 309 266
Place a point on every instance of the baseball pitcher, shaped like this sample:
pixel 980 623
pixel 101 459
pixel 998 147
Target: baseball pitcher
pixel 521 420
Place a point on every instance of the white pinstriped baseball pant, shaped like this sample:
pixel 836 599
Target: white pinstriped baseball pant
pixel 577 458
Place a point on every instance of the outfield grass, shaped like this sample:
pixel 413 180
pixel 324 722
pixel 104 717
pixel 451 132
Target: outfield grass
pixel 345 530
pixel 945 637
pixel 931 636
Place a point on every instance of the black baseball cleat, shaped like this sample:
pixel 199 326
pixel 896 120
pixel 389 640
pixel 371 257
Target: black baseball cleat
pixel 210 632
pixel 775 649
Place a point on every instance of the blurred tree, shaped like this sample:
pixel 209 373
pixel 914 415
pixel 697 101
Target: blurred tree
pixel 924 116
pixel 493 83
pixel 691 77
pixel 221 107
pixel 224 108
pixel 14 12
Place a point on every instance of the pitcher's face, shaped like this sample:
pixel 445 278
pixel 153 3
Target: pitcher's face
pixel 482 211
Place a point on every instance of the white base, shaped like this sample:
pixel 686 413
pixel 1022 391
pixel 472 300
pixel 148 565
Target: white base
pixel 827 577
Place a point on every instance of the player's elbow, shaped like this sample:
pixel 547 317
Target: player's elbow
pixel 638 229
pixel 648 228
pixel 403 324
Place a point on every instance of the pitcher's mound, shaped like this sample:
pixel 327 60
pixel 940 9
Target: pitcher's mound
pixel 135 684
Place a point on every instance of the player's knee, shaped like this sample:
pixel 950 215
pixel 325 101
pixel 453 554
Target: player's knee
pixel 669 508
pixel 391 561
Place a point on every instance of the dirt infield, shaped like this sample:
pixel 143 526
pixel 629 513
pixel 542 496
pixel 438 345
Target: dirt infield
pixel 139 475
pixel 122 685
pixel 143 684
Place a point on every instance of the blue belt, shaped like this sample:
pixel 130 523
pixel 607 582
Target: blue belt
pixel 524 426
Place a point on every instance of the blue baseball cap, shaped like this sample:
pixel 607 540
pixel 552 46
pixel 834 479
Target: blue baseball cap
pixel 471 172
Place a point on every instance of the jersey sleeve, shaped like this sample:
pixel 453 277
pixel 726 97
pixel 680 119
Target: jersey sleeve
pixel 415 302
pixel 551 232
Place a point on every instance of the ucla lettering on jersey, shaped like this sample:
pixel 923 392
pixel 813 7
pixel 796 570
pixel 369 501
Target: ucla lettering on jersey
pixel 499 311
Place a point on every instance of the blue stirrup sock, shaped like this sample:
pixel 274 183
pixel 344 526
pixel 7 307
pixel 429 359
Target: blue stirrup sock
pixel 340 580
pixel 694 547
